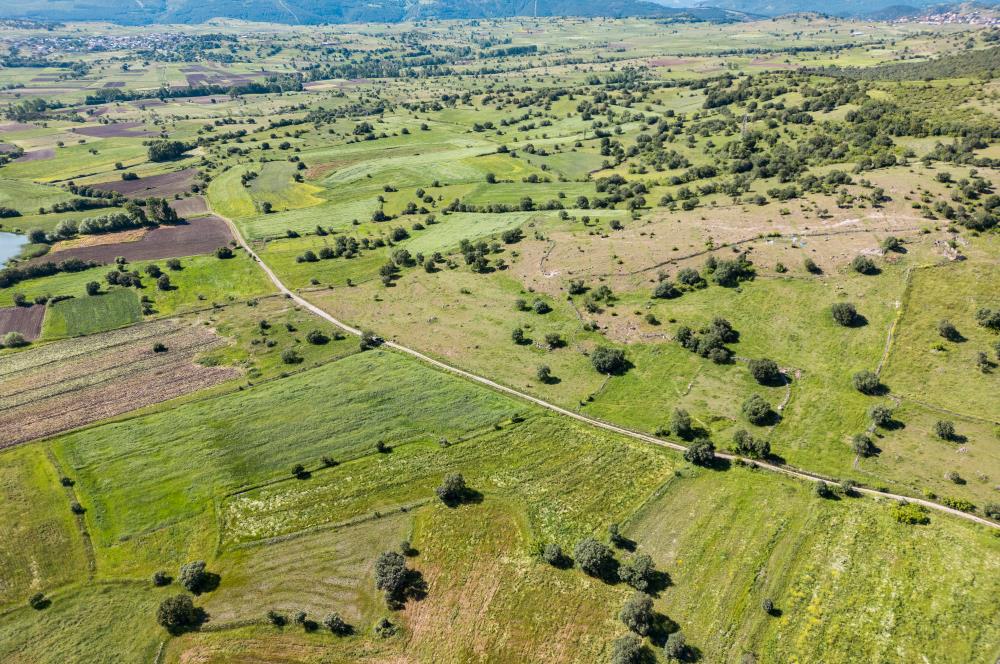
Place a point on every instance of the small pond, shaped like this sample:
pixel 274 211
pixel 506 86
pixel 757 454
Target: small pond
pixel 10 246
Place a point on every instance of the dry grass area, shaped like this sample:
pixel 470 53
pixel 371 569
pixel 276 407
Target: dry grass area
pixel 68 384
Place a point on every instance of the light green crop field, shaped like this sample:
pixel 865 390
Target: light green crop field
pixel 670 180
pixel 90 314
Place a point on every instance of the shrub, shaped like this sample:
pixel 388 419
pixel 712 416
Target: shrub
pixel 989 318
pixel 554 340
pixel 675 649
pixel 290 356
pixel 862 445
pixel 553 555
pixel 863 265
pixel 608 360
pixel 867 382
pixel 593 557
pixel 811 267
pixel 822 490
pixel 173 264
pixel 93 288
pixel 764 371
pixel 193 576
pixel 680 424
pixel 637 614
pixel 666 290
pixel 369 340
pixel 541 307
pixel 767 605
pixel 276 618
pixel 910 513
pixel 163 283
pixel 14 340
pixel 627 649
pixel 544 373
pixel 517 335
pixel 337 625
pixel 947 330
pixel 159 347
pixel 992 510
pixel 638 571
pixel 161 579
pixel 844 313
pixel 881 415
pixel 757 410
pixel 177 614
pixel 38 601
pixel 701 453
pixel 317 338
pixel 944 429
pixel 223 252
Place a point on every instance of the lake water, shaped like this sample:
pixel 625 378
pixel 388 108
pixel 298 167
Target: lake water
pixel 10 246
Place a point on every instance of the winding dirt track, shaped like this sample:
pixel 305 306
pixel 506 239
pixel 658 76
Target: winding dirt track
pixel 637 435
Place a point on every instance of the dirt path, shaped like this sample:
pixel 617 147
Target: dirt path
pixel 614 428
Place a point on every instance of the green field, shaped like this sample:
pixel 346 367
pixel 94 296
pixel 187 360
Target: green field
pixel 89 314
pixel 725 222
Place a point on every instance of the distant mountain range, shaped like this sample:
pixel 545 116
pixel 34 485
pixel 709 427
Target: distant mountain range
pixel 144 12
pixel 133 12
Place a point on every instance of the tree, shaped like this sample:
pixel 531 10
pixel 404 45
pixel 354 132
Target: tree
pixel 607 360
pixel 193 576
pixel 680 424
pixel 755 448
pixel 822 490
pixel 453 489
pixel 517 335
pixel 638 571
pixel 944 429
pixel 93 288
pixel 166 150
pixel 844 313
pixel 627 650
pixel 676 647
pixel 701 453
pixel 391 574
pixel 866 382
pixel 163 282
pixel 637 614
pixel 593 557
pixel 223 252
pixel 177 614
pixel 764 371
pixel 554 340
pixel 757 410
pixel 862 445
pixel 544 373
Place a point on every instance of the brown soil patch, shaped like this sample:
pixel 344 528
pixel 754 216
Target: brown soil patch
pixel 114 130
pixel 26 320
pixel 667 62
pixel 198 236
pixel 98 240
pixel 190 207
pixel 163 186
pixel 37 155
pixel 16 126
pixel 57 387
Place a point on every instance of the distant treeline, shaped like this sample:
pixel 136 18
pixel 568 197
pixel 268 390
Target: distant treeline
pixel 272 84
pixel 981 63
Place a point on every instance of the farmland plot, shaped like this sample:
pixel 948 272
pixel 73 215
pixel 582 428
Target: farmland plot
pixel 71 383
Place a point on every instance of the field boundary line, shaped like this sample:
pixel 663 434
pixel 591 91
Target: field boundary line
pixel 614 428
